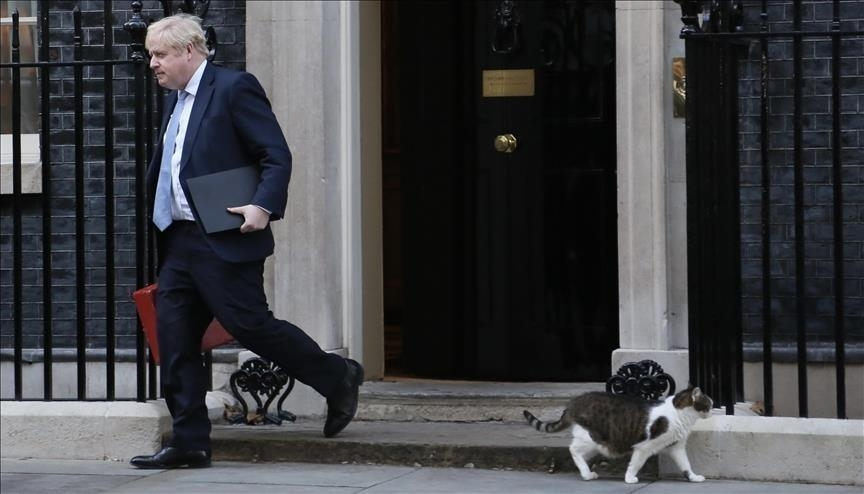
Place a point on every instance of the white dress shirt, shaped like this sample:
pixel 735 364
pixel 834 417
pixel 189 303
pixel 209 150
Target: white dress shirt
pixel 180 206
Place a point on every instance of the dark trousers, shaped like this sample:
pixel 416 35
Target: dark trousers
pixel 195 285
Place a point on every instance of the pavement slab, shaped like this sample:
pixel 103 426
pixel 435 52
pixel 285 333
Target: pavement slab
pixel 94 476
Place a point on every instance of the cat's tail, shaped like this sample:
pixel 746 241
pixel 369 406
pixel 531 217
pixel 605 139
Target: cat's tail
pixel 557 426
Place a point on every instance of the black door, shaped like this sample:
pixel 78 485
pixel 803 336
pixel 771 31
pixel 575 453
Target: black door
pixel 508 189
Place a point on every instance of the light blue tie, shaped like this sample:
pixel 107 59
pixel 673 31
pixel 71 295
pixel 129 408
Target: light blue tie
pixel 164 192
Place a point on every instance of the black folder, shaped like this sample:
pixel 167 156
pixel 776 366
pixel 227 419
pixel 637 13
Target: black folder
pixel 213 194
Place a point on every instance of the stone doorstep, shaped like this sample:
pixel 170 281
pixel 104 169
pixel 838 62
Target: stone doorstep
pixel 465 401
pixel 430 423
pixel 487 445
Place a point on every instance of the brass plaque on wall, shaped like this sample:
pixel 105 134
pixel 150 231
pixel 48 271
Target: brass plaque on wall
pixel 502 83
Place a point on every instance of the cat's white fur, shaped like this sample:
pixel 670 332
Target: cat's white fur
pixel 672 442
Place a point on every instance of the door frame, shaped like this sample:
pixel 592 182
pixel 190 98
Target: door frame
pixel 362 215
pixel 648 217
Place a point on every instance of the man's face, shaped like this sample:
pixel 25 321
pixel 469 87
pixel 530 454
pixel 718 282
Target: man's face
pixel 172 68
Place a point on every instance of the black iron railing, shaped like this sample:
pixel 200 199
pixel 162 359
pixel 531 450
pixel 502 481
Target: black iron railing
pixel 98 120
pixel 79 140
pixel 757 182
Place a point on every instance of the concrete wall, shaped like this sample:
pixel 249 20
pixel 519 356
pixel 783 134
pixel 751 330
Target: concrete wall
pixel 320 65
pixel 651 183
pixel 82 430
pixel 294 51
pixel 652 248
pixel 776 449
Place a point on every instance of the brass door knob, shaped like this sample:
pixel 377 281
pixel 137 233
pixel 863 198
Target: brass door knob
pixel 505 143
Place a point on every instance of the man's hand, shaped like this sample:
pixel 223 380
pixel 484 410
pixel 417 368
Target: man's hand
pixel 254 217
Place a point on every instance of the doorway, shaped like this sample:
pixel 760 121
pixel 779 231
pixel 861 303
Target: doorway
pixel 500 249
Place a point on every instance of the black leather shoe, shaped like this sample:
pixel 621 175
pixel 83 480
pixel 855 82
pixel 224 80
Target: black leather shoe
pixel 342 406
pixel 172 457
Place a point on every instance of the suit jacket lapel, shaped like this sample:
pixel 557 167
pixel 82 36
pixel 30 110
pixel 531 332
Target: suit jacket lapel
pixel 202 100
pixel 167 109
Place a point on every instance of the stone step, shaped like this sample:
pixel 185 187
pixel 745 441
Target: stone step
pixel 408 400
pixel 488 445
pixel 428 423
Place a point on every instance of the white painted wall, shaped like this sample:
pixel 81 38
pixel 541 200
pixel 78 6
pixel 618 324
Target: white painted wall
pixel 643 258
pixel 652 221
pixel 320 65
pixel 293 48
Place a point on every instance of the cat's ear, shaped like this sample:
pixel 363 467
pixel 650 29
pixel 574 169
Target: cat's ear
pixel 696 392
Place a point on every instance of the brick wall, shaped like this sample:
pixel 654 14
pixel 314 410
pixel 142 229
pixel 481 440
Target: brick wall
pixel 228 18
pixel 817 172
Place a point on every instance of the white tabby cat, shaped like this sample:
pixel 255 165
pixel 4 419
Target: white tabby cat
pixel 617 425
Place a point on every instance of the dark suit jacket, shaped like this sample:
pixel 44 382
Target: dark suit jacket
pixel 231 125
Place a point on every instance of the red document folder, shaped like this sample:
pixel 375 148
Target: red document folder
pixel 145 302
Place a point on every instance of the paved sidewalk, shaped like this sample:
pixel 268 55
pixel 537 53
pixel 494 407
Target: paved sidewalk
pixel 90 476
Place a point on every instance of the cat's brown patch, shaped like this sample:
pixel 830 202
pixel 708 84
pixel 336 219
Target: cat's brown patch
pixel 683 399
pixel 660 426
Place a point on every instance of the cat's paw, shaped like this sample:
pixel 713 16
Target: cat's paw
pixel 631 479
pixel 695 478
pixel 589 476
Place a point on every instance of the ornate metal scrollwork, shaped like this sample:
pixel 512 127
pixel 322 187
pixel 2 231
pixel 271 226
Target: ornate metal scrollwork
pixel 262 378
pixel 645 379
pixel 508 27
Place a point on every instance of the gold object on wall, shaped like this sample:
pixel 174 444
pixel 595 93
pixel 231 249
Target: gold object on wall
pixel 499 83
pixel 679 87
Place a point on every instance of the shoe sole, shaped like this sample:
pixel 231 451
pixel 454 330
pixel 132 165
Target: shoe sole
pixel 177 467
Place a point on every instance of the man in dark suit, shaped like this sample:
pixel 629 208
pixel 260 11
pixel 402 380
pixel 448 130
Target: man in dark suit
pixel 218 119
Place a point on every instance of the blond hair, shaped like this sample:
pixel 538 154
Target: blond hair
pixel 176 32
